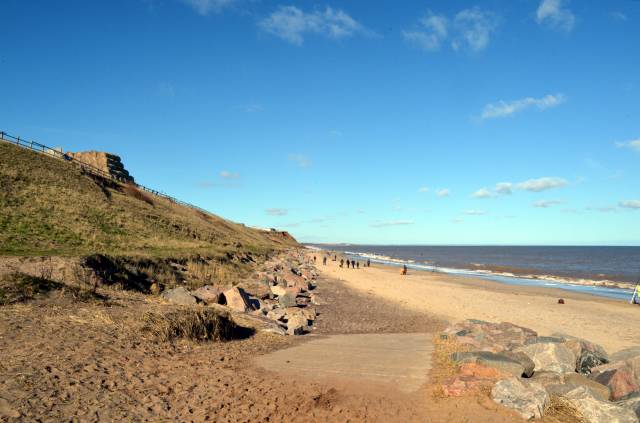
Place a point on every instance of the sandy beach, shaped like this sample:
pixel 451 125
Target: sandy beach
pixel 611 323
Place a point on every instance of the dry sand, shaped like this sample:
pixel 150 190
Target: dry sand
pixel 610 323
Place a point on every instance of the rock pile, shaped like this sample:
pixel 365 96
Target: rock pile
pixel 523 370
pixel 280 295
pixel 107 162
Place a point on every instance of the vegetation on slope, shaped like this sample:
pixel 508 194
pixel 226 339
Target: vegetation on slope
pixel 51 207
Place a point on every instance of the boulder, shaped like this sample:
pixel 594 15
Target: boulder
pixel 571 381
pixel 257 289
pixel 179 295
pixel 277 314
pixel 287 300
pixel 527 364
pixel 487 336
pixel 472 378
pixel 528 399
pixel 550 357
pixel 594 410
pixel 209 294
pixel 544 339
pixel 632 403
pixel 588 354
pixel 278 290
pixel 488 359
pixel 297 325
pixel 236 299
pixel 310 313
pixel 620 380
pixel 626 354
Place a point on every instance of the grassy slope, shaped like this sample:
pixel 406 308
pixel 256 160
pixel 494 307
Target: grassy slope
pixel 48 207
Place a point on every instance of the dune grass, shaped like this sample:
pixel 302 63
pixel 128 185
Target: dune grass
pixel 51 207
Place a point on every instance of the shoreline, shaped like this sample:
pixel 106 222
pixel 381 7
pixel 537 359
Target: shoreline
pixel 608 322
pixel 620 290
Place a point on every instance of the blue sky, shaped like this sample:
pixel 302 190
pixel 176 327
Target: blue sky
pixel 426 122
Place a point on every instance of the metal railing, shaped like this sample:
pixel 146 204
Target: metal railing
pixel 43 149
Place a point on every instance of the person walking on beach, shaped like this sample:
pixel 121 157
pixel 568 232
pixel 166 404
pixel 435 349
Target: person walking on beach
pixel 635 299
pixel 368 263
pixel 348 264
pixel 353 264
pixel 324 260
pixel 404 269
pixel 314 259
pixel 358 264
pixel 335 258
pixel 341 262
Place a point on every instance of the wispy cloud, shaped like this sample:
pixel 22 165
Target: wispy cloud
pixel 225 174
pixel 542 184
pixel 431 32
pixel 483 193
pixel 388 223
pixel 507 188
pixel 300 159
pixel 277 212
pixel 204 7
pixel 504 188
pixel 545 204
pixel 474 28
pixel 252 108
pixel 457 220
pixel 469 29
pixel 619 16
pixel 604 209
pixel 423 189
pixel 293 24
pixel 633 145
pixel 443 192
pixel 556 15
pixel 507 108
pixel 475 212
pixel 630 204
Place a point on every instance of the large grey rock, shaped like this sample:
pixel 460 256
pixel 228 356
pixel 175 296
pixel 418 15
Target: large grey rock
pixel 528 399
pixel 487 336
pixel 497 361
pixel 626 354
pixel 297 325
pixel 588 354
pixel 287 300
pixel 180 296
pixel 597 411
pixel 278 290
pixel 236 299
pixel 571 381
pixel 550 357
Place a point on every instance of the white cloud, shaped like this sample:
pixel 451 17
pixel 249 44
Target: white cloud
pixel 619 16
pixel 292 24
pixel 432 31
pixel 475 212
pixel 504 188
pixel 252 108
pixel 204 7
pixel 277 212
pixel 508 108
pixel 300 160
pixel 229 175
pixel 483 193
pixel 556 15
pixel 388 223
pixel 542 184
pixel 474 28
pixel 468 29
pixel 544 204
pixel 423 189
pixel 633 145
pixel 457 220
pixel 443 192
pixel 630 204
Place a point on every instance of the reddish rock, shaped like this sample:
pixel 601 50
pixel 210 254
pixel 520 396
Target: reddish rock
pixel 620 381
pixel 472 378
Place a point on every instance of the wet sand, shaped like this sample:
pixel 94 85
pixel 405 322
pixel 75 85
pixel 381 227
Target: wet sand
pixel 610 323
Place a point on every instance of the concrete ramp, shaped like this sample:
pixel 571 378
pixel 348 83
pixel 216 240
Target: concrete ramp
pixel 402 360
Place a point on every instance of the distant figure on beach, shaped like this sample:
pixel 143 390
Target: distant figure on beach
pixel 368 263
pixel 324 260
pixel 314 259
pixel 635 299
pixel 358 264
pixel 404 269
pixel 348 264
pixel 341 262
pixel 335 258
pixel 353 264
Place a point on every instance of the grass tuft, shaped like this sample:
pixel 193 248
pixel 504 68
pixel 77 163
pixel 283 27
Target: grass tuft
pixel 194 323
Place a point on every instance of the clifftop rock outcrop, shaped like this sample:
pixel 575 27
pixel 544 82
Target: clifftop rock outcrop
pixel 106 162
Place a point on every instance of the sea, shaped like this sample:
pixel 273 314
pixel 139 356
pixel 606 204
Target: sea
pixel 608 271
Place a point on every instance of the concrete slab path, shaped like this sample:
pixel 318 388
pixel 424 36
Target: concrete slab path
pixel 402 360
